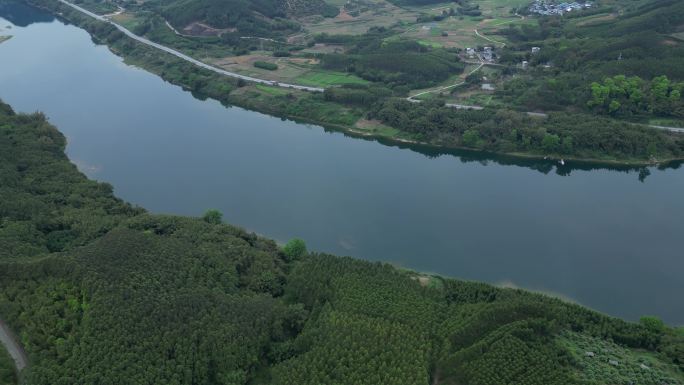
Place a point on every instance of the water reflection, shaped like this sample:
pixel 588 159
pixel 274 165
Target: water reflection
pixel 22 15
pixel 544 166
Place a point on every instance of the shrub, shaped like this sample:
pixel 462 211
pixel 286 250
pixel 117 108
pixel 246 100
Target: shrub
pixel 266 65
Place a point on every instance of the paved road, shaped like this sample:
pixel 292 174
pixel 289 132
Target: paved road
pixel 188 58
pixel 14 349
pixel 671 129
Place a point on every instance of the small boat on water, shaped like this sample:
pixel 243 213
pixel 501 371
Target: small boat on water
pixel 562 162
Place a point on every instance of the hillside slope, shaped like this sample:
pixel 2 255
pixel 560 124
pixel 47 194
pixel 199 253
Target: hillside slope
pixel 262 17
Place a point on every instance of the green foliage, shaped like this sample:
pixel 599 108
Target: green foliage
pixel 471 138
pixel 357 94
pixel 266 65
pixel 40 213
pixel 396 63
pixel 174 300
pixel 620 95
pixel 8 375
pixel 601 65
pixel 578 135
pixel 652 323
pixel 213 216
pixel 397 68
pixel 247 18
pixel 550 142
pixel 294 249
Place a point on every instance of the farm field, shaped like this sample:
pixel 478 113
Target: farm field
pixel 329 78
pixel 292 70
pixel 129 20
pixel 375 13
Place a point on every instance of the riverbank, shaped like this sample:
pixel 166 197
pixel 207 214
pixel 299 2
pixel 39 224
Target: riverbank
pixel 291 103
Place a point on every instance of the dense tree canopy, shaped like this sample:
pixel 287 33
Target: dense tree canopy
pixel 626 65
pixel 579 135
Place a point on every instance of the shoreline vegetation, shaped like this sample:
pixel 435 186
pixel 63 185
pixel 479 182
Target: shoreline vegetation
pixel 494 131
pixel 104 292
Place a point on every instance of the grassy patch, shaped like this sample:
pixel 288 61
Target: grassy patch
pixel 429 43
pixel 99 7
pixel 593 19
pixel 129 20
pixel 4 38
pixel 325 79
pixel 377 128
pixel 266 65
pixel 271 90
pixel 633 366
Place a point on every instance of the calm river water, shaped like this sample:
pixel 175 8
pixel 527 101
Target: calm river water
pixel 609 239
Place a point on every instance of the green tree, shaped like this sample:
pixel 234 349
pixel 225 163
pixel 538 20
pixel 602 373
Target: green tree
pixel 470 138
pixel 550 142
pixel 213 216
pixel 652 323
pixel 568 147
pixel 294 249
pixel 614 106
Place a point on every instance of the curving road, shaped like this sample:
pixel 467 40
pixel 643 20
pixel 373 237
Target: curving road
pixel 14 349
pixel 188 58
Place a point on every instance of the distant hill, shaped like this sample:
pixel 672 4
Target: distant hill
pixel 259 17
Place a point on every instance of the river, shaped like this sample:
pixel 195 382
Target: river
pixel 605 237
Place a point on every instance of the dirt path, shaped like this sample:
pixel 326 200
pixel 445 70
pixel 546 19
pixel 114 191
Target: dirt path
pixel 15 350
pixel 488 39
pixel 413 97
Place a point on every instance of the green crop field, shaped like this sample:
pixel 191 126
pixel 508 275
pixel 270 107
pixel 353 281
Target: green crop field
pixel 271 90
pixel 129 20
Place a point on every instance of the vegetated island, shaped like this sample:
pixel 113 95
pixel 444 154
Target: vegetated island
pixel 4 38
pixel 585 89
pixel 101 292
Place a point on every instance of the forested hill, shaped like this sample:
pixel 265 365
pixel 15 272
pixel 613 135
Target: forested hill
pixel 104 293
pixel 262 17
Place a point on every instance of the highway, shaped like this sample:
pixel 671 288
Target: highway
pixel 188 58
